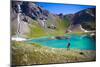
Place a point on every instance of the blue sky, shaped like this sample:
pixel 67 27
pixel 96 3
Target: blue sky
pixel 63 8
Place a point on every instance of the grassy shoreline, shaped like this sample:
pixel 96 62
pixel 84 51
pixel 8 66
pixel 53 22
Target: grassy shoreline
pixel 28 54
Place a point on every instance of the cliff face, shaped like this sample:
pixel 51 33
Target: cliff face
pixel 29 9
pixel 25 13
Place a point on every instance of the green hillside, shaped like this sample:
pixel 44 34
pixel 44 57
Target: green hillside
pixel 37 31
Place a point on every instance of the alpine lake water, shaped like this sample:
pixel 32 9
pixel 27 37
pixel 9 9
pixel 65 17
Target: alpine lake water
pixel 80 42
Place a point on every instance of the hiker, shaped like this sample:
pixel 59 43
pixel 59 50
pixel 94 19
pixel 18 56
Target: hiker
pixel 68 46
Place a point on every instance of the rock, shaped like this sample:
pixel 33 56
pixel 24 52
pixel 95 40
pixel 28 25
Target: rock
pixel 61 37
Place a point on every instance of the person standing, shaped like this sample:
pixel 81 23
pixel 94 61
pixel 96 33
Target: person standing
pixel 68 45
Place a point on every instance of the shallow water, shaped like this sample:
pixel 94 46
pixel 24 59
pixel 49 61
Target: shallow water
pixel 76 42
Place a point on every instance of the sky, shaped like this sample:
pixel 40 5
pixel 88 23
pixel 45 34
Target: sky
pixel 63 8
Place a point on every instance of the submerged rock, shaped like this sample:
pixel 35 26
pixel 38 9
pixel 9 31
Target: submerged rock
pixel 61 37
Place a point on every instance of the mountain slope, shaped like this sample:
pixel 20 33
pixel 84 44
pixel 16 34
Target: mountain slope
pixel 86 18
pixel 32 20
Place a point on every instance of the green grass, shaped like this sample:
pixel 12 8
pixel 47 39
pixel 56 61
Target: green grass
pixel 27 54
pixel 62 25
pixel 37 31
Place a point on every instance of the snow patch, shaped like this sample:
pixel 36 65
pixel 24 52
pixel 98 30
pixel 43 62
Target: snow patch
pixel 83 29
pixel 18 39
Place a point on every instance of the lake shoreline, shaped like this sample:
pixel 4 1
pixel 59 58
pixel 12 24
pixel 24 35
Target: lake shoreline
pixel 28 54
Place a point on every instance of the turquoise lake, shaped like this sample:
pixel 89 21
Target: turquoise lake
pixel 76 42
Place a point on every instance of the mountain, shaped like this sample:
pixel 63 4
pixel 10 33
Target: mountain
pixel 86 18
pixel 30 20
pixel 27 18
